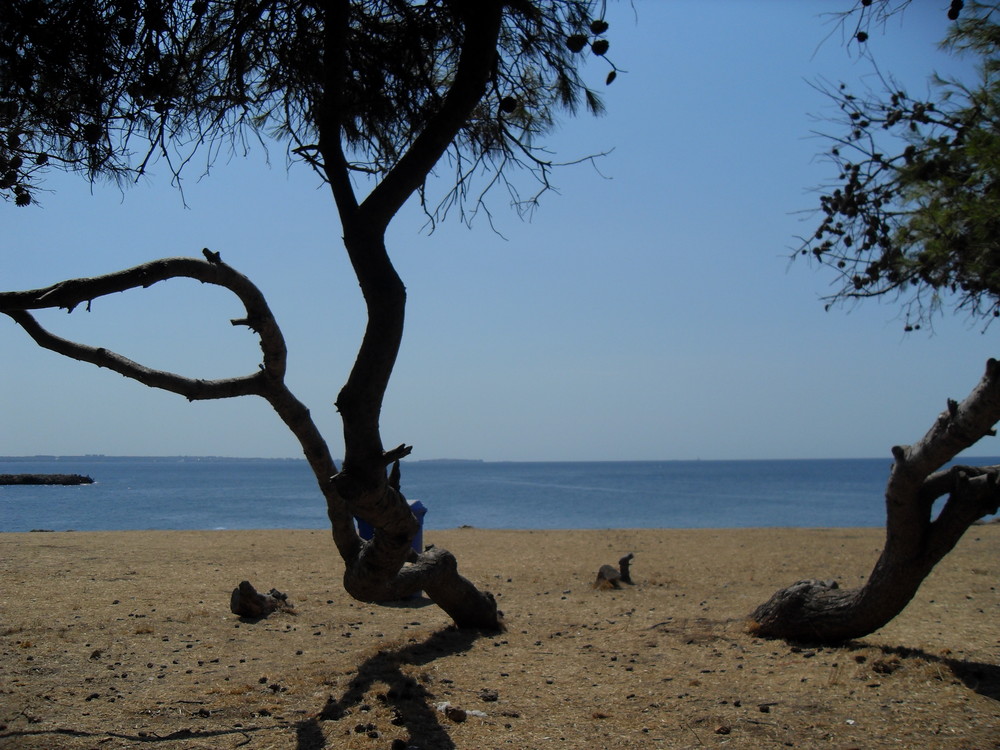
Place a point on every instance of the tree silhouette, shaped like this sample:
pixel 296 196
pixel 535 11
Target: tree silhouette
pixel 921 221
pixel 371 95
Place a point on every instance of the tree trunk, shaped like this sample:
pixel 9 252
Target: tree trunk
pixel 379 570
pixel 820 611
pixel 386 567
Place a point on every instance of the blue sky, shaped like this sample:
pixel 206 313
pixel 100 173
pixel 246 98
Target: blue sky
pixel 647 311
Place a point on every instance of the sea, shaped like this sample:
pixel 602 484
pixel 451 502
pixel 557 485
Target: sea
pixel 233 493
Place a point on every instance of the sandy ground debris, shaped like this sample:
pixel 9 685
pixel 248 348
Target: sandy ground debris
pixel 121 639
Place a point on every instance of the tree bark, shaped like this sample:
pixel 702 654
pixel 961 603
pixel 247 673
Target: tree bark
pixel 820 611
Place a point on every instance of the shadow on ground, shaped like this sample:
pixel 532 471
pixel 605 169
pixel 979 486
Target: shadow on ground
pixel 977 676
pixel 982 678
pixel 409 700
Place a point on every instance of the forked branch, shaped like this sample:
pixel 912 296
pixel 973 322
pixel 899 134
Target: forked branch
pixel 266 382
pixel 68 295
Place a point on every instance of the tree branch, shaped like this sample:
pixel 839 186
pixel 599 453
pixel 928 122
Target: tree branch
pixel 267 382
pixel 479 51
pixel 960 426
pixel 330 108
pixel 191 388
pixel 71 293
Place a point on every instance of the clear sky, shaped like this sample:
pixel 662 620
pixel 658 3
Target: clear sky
pixel 647 311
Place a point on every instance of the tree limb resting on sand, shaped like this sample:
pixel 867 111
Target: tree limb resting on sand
pixel 609 577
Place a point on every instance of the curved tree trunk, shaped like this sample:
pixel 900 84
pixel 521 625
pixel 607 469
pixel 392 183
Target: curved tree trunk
pixel 819 611
pixel 377 570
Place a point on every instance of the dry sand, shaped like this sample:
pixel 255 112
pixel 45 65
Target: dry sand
pixel 121 639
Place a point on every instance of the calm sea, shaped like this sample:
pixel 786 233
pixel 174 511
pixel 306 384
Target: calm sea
pixel 220 493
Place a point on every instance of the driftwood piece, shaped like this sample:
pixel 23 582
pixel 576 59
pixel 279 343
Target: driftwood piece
pixel 246 601
pixel 623 564
pixel 610 578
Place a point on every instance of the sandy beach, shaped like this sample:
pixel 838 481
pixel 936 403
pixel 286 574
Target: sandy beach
pixel 118 639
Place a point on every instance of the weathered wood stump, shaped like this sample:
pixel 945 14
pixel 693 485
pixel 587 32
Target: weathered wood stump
pixel 623 565
pixel 608 577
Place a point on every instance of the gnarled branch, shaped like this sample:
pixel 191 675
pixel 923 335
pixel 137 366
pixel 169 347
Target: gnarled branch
pixel 68 295
pixel 915 542
pixel 267 382
pixel 191 388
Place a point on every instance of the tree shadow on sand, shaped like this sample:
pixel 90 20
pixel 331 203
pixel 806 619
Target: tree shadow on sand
pixel 409 700
pixel 979 677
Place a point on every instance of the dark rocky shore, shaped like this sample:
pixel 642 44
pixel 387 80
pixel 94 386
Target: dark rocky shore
pixel 45 479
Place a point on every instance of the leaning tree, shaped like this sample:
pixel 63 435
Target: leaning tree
pixel 914 212
pixel 372 95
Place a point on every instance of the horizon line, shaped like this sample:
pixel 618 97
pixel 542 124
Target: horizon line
pixel 93 456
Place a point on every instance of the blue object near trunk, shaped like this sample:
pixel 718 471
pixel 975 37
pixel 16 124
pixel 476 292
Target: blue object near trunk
pixel 418 509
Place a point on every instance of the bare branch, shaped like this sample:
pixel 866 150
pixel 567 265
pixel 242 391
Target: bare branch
pixel 71 293
pixel 400 451
pixel 267 382
pixel 478 56
pixel 960 426
pixel 191 388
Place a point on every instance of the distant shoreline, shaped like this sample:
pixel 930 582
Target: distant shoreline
pixel 449 461
pixel 45 479
pixel 99 457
